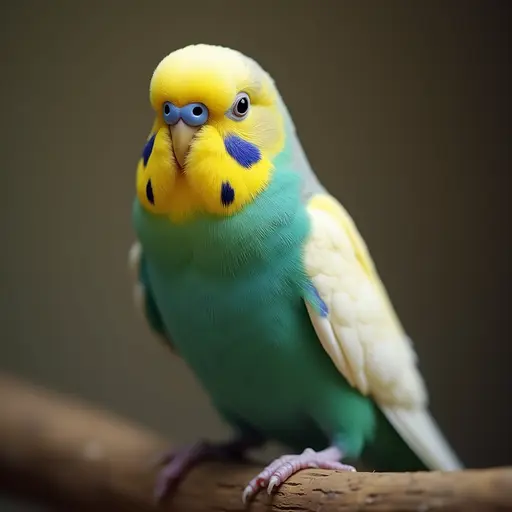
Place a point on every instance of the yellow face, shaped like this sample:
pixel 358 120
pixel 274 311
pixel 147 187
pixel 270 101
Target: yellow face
pixel 216 131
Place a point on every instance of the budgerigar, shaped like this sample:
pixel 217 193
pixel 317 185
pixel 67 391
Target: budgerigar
pixel 259 279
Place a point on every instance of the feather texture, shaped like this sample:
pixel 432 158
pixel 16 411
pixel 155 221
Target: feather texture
pixel 230 252
pixel 362 334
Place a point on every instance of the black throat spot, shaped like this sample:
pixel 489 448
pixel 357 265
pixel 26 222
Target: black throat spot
pixel 149 193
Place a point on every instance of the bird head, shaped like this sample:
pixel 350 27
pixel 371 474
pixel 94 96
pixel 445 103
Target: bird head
pixel 217 128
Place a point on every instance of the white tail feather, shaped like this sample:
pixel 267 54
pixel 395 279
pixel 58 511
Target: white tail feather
pixel 419 430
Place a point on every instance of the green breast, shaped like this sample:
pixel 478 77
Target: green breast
pixel 230 293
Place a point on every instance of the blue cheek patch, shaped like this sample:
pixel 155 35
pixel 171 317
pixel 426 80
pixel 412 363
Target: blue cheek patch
pixel 245 153
pixel 227 194
pixel 148 149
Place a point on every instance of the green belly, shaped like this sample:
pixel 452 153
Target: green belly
pixel 230 294
pixel 255 353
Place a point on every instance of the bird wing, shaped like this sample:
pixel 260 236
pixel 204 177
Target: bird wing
pixel 359 329
pixel 142 296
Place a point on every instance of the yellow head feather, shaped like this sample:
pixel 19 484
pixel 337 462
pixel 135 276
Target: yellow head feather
pixel 212 76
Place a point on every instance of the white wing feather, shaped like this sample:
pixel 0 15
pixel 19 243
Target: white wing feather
pixel 362 334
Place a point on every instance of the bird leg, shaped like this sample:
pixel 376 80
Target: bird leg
pixel 177 462
pixel 284 467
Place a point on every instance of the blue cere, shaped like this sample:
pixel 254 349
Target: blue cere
pixel 194 114
pixel 171 113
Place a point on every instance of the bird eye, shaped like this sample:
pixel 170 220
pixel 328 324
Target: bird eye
pixel 241 105
pixel 171 113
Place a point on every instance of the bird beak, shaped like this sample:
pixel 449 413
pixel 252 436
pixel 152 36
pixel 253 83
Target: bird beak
pixel 182 135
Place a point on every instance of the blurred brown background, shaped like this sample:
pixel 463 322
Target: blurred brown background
pixel 404 111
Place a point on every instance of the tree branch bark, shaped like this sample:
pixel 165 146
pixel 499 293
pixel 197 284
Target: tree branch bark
pixel 59 451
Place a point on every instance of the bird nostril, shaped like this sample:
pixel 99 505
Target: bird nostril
pixel 194 114
pixel 167 109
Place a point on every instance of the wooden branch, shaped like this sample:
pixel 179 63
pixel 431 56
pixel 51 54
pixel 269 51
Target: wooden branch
pixel 76 457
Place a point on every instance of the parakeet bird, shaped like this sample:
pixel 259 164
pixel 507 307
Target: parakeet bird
pixel 259 280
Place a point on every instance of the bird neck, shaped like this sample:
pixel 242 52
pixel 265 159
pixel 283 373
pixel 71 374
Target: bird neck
pixel 268 227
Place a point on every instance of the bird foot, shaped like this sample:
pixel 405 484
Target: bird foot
pixel 177 463
pixel 284 467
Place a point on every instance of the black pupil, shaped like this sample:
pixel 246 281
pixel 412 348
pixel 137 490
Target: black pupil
pixel 242 106
pixel 197 111
pixel 167 109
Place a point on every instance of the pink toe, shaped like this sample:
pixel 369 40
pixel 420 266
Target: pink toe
pixel 263 478
pixel 286 470
pixel 284 467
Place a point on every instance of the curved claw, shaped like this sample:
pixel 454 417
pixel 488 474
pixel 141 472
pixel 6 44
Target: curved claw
pixel 284 467
pixel 274 481
pixel 247 494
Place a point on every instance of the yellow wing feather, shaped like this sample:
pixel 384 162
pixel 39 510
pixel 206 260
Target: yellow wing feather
pixel 362 333
pixel 330 205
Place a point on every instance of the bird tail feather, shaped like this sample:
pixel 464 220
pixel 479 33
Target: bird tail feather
pixel 423 436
